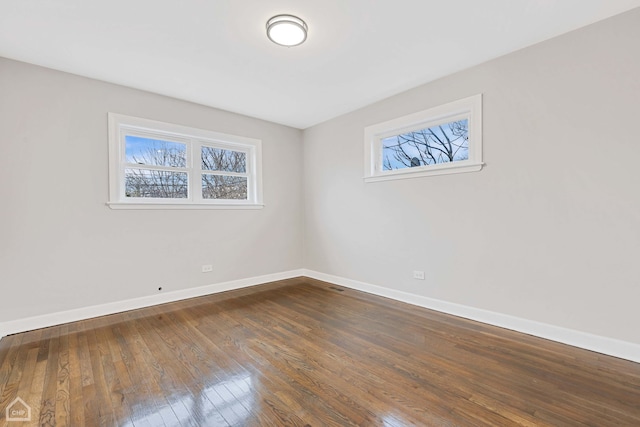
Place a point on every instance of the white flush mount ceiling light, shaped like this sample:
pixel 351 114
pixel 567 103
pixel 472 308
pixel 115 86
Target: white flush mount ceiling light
pixel 286 30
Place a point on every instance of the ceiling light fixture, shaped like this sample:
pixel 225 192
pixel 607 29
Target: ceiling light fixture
pixel 286 30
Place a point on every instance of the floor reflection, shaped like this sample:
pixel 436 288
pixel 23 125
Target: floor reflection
pixel 228 402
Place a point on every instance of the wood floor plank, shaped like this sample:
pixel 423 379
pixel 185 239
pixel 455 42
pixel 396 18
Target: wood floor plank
pixel 116 382
pixel 317 374
pixel 170 377
pixel 302 352
pixel 225 379
pixel 76 403
pixel 10 371
pixel 209 405
pixel 267 408
pixel 30 352
pixel 135 382
pixel 156 392
pixel 63 405
pixel 386 372
pixel 103 411
pixel 278 406
pixel 354 342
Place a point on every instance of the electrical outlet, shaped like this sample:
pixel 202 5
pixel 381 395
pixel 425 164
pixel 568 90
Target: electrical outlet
pixel 207 268
pixel 418 275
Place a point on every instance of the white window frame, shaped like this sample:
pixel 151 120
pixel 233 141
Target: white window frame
pixel 468 108
pixel 121 125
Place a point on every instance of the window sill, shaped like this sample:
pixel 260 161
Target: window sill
pixel 184 206
pixel 405 174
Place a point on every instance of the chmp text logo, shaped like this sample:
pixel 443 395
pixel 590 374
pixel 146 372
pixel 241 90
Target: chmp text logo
pixel 18 410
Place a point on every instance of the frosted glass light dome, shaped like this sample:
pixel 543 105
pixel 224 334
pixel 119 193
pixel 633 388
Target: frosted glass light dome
pixel 286 30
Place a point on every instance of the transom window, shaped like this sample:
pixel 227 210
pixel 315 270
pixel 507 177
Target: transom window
pixel 445 139
pixel 162 165
pixel 443 143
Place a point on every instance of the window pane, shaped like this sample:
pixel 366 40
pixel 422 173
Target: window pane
pixel 158 184
pixel 444 143
pixel 224 187
pixel 217 159
pixel 148 151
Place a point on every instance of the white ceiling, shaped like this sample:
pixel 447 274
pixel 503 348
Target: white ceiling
pixel 216 53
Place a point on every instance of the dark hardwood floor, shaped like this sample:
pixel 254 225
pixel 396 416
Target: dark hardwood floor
pixel 305 353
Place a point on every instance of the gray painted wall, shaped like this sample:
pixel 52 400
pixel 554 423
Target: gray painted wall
pixel 548 231
pixel 61 247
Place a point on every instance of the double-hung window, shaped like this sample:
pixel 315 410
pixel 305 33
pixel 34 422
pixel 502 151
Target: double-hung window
pixel 161 165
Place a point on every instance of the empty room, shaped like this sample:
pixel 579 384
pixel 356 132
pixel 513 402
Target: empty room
pixel 319 213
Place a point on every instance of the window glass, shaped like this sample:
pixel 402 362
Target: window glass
pixel 159 184
pixel 444 143
pixel 224 187
pixel 218 159
pixel 155 152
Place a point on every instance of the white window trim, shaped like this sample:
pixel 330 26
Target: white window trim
pixel 121 125
pixel 470 108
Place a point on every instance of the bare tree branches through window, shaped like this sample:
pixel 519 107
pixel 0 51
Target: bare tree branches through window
pixel 443 143
pixel 154 183
pixel 157 165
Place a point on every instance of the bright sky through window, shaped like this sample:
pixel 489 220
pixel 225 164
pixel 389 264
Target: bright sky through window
pixel 148 151
pixel 444 143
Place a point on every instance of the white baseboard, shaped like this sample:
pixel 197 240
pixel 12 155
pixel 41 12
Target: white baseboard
pixel 52 319
pixel 610 346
